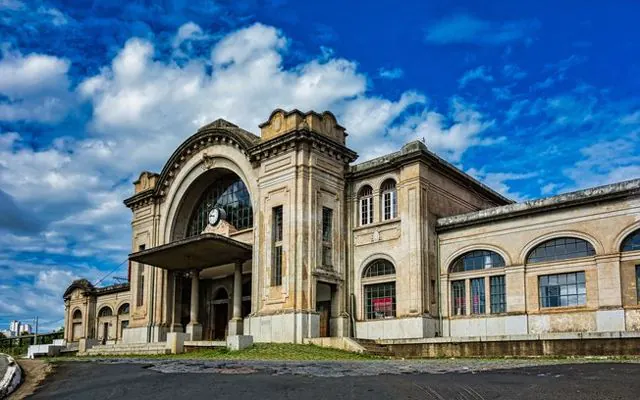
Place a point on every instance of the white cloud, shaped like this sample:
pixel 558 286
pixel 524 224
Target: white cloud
pixel 391 74
pixel 467 29
pixel 58 18
pixel 549 188
pixel 498 181
pixel 480 73
pixel 35 87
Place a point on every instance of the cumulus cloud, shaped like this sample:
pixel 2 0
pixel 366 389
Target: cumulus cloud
pixel 35 87
pixel 499 181
pixel 391 74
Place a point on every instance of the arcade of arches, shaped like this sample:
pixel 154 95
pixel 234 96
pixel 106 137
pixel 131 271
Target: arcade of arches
pixel 282 237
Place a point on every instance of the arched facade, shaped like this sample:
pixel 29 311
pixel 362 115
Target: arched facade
pixel 398 247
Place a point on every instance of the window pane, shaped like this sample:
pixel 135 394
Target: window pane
pixel 638 284
pixel 379 268
pixel 477 296
pixel 498 297
pixel 560 249
pixel 562 290
pixel 631 242
pixel 459 302
pixel 477 259
pixel 380 300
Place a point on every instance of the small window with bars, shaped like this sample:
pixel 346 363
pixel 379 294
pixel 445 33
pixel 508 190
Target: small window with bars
pixel 498 295
pixel 327 236
pixel 459 300
pixel 366 205
pixel 276 267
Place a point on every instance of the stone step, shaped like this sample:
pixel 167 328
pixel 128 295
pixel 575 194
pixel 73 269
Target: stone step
pixel 129 348
pixel 374 348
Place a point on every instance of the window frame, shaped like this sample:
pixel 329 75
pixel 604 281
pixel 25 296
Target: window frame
pixel 327 237
pixel 638 283
pixel 497 261
pixel 140 272
pixel 477 286
pixel 501 294
pixel 376 274
pixel 629 242
pixel 458 286
pixel 365 205
pixel 545 280
pixel 389 194
pixel 277 233
pixel 554 243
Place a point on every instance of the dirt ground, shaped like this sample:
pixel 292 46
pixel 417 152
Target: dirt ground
pixel 33 373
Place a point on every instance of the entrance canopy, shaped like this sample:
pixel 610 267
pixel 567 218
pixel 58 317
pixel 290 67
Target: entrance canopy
pixel 197 252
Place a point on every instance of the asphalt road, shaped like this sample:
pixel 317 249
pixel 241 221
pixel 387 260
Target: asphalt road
pixel 79 380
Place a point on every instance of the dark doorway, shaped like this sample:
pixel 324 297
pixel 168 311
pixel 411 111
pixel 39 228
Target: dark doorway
pixel 324 294
pixel 221 314
pixel 324 308
pixel 105 332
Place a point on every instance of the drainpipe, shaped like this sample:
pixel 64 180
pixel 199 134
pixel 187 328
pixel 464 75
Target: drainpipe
pixel 352 317
pixel 438 287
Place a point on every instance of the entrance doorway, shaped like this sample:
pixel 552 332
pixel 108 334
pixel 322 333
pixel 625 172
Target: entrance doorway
pixel 105 332
pixel 324 293
pixel 221 314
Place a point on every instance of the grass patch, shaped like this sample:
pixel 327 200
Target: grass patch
pixel 259 351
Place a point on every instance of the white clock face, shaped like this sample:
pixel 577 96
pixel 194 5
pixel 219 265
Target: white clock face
pixel 214 216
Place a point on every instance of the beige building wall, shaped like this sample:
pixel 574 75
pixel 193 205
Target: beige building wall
pixel 611 302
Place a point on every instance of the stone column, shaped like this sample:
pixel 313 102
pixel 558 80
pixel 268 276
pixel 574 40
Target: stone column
pixel 194 329
pixel 235 325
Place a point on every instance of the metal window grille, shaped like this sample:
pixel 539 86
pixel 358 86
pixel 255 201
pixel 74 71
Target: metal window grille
pixel 459 300
pixel 561 249
pixel 228 193
pixel 380 300
pixel 477 296
pixel 379 268
pixel 477 259
pixel 498 294
pixel 632 242
pixel 276 269
pixel 562 290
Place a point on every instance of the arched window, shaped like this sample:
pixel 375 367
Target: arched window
pixel 563 248
pixel 379 283
pixel 124 309
pixel 105 312
pixel 365 199
pixel 477 259
pixel 77 314
pixel 474 261
pixel 229 193
pixel 631 242
pixel 389 200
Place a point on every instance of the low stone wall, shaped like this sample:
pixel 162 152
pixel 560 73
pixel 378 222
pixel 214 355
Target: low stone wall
pixel 340 343
pixel 610 344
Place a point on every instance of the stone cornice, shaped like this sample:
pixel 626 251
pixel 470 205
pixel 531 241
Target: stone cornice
pixel 595 195
pixel 418 151
pixel 287 141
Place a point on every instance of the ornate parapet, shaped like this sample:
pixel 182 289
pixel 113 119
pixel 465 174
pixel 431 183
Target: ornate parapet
pixel 281 122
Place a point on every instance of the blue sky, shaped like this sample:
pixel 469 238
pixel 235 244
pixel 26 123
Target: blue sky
pixel 533 98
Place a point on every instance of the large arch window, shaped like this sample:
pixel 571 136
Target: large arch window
pixel 478 286
pixel 105 312
pixel 389 200
pixel 77 314
pixel 124 309
pixel 365 200
pixel 477 259
pixel 563 248
pixel 379 285
pixel 229 193
pixel 631 242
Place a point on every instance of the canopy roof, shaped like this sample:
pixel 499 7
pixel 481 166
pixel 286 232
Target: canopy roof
pixel 197 252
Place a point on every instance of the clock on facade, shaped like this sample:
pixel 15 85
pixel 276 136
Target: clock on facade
pixel 216 215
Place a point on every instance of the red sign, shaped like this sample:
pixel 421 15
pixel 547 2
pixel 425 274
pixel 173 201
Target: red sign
pixel 383 305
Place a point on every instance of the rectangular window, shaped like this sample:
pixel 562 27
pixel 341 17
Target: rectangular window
pixel 380 300
pixel 276 267
pixel 327 236
pixel 478 302
pixel 459 303
pixel 562 290
pixel 366 210
pixel 390 204
pixel 140 290
pixel 498 295
pixel 638 283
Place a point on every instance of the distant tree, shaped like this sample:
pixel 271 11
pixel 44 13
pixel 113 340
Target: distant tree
pixel 2 336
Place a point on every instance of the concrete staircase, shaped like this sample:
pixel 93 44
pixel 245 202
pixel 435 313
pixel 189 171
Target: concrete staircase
pixel 374 348
pixel 121 349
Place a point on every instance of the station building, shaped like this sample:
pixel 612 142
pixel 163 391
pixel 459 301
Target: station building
pixel 284 237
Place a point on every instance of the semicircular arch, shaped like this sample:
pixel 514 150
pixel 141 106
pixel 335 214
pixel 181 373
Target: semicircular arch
pixel 522 257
